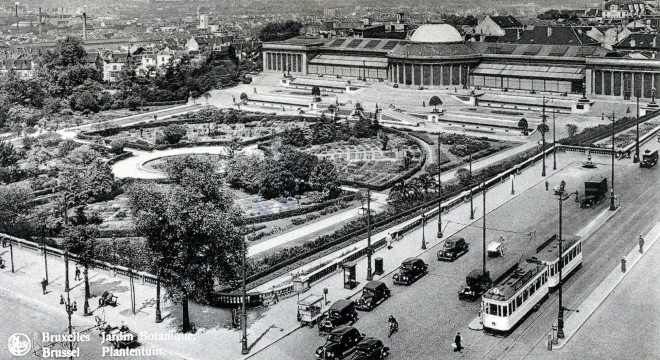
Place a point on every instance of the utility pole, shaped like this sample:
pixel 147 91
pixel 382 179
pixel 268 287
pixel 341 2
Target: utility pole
pixel 554 141
pixel 470 185
pixel 484 230
pixel 244 347
pixel 439 195
pixel 11 253
pixel 543 117
pixel 43 243
pixel 560 314
pixel 66 271
pixel 158 313
pixel 636 159
pixel 70 308
pixel 369 273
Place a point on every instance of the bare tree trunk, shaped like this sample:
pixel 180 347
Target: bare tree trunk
pixel 186 316
pixel 86 273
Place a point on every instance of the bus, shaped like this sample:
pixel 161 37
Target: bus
pixel 548 255
pixel 511 299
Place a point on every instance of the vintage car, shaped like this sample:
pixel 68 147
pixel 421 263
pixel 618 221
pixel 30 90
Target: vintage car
pixel 370 349
pixel 477 284
pixel 454 247
pixel 340 313
pixel 411 270
pixel 340 343
pixel 374 293
pixel 310 309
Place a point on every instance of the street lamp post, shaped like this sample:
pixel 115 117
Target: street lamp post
pixel 483 193
pixel 543 119
pixel 11 254
pixel 423 232
pixel 470 185
pixel 513 191
pixel 369 273
pixel 158 313
pixel 66 271
pixel 244 347
pixel 43 244
pixel 70 308
pixel 554 142
pixel 439 195
pixel 560 314
pixel 636 159
pixel 612 205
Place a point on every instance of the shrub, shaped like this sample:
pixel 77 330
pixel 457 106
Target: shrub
pixel 116 147
pixel 298 221
pixel 173 133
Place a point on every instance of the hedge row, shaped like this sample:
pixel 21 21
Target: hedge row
pixel 120 157
pixel 299 211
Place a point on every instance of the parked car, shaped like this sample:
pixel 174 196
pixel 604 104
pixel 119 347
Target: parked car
pixel 340 342
pixel 373 293
pixel 411 270
pixel 454 247
pixel 370 349
pixel 340 313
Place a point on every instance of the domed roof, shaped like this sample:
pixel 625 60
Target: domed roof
pixel 436 33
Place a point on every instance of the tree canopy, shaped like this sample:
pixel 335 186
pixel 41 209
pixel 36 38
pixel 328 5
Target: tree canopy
pixel 280 30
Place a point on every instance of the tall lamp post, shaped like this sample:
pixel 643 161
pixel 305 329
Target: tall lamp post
pixel 636 159
pixel 244 347
pixel 45 249
pixel 484 229
pixel 612 119
pixel 560 315
pixel 554 141
pixel 439 195
pixel 423 232
pixel 543 120
pixel 470 185
pixel 369 271
pixel 70 308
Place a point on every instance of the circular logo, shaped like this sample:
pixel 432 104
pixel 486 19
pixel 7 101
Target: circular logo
pixel 19 344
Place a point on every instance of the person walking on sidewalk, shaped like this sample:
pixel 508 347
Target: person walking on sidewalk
pixel 458 347
pixel 44 283
pixel 547 184
pixel 77 273
pixel 641 244
pixel 388 239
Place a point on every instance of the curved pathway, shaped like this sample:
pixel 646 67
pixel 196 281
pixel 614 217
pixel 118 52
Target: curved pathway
pixel 132 167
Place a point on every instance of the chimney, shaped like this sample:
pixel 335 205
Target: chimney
pixel 84 26
pixel 40 21
pixel 517 34
pixel 549 31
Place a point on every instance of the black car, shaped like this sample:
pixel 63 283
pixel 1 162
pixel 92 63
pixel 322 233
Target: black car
pixel 477 284
pixel 370 349
pixel 374 293
pixel 340 313
pixel 411 270
pixel 341 342
pixel 453 248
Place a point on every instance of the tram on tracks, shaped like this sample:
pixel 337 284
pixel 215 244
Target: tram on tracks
pixel 510 300
pixel 523 288
pixel 548 254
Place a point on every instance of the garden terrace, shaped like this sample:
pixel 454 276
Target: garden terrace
pixel 525 103
pixel 485 122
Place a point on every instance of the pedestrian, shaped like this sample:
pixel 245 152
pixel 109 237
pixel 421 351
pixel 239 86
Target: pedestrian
pixel 77 273
pixel 641 244
pixel 546 185
pixel 389 241
pixel 44 283
pixel 457 342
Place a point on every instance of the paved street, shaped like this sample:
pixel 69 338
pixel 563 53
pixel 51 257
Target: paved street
pixel 429 312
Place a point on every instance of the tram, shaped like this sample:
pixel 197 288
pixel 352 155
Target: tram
pixel 547 254
pixel 508 302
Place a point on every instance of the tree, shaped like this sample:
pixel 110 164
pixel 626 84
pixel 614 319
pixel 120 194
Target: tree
pixel 82 156
pixel 66 147
pixel 572 129
pixel 84 101
pixel 243 96
pixel 8 154
pixel 294 136
pixel 316 93
pixel 81 239
pixel 435 101
pixel 193 235
pixel 426 182
pixel 278 31
pixel 523 125
pixel 173 133
pixel 384 139
pixel 463 176
pixel 245 172
pixel 116 147
pixel 543 128
pixel 14 205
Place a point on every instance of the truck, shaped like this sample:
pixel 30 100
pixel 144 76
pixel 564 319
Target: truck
pixel 477 284
pixel 595 190
pixel 649 159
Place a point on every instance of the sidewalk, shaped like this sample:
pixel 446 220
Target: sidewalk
pixel 603 291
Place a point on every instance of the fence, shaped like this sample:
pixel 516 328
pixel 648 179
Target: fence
pixel 116 270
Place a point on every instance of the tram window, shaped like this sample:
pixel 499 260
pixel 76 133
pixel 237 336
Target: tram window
pixel 525 295
pixel 511 306
pixel 552 270
pixel 532 289
pixel 519 300
pixel 493 309
pixel 499 310
pixel 504 311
